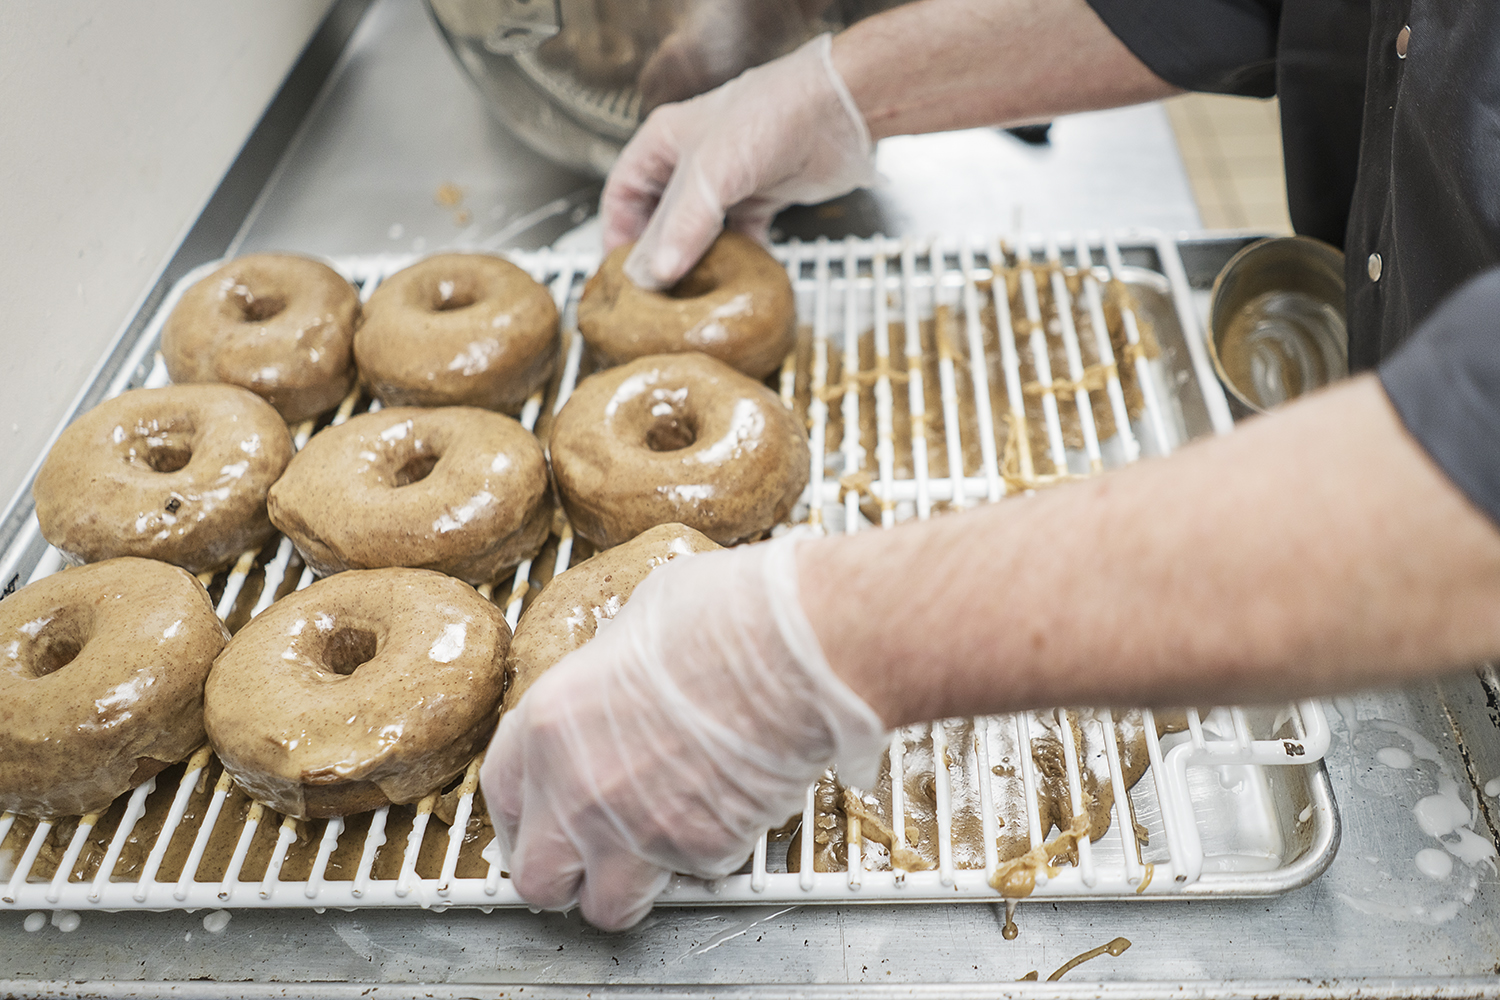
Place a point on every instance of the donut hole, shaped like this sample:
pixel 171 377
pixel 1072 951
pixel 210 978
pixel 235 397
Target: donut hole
pixel 59 642
pixel 416 469
pixel 347 648
pixel 169 457
pixel 448 296
pixel 671 431
pixel 256 308
pixel 694 285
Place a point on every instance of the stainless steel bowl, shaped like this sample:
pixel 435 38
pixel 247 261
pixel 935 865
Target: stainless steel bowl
pixel 573 78
pixel 1276 321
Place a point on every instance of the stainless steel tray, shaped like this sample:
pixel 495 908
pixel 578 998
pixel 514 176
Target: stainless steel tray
pixel 895 333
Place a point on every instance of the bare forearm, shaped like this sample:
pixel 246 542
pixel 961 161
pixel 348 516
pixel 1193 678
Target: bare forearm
pixel 946 64
pixel 1313 550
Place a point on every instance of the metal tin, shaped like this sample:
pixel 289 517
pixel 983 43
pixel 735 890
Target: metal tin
pixel 1276 321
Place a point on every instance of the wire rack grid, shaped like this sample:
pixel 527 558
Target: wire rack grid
pixel 1024 364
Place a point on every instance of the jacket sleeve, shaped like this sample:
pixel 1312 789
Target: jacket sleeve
pixel 1219 46
pixel 1445 384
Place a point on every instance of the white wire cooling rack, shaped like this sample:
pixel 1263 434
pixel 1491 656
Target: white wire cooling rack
pixel 932 376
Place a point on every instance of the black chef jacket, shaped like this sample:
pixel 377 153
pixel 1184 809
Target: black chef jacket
pixel 1390 124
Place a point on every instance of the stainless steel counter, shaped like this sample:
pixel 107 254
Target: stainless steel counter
pixel 396 122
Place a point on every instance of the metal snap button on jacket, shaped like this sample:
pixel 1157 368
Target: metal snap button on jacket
pixel 1374 266
pixel 1403 40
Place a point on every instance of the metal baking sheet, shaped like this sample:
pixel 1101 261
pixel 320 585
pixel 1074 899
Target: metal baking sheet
pixel 1223 812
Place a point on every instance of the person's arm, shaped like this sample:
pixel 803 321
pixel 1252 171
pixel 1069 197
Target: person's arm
pixel 794 130
pixel 1347 540
pixel 936 65
pixel 1316 550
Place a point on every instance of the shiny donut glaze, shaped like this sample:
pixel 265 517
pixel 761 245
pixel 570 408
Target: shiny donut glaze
pixel 277 324
pixel 574 603
pixel 676 437
pixel 101 682
pixel 458 329
pixel 115 484
pixel 457 489
pixel 365 689
pixel 735 305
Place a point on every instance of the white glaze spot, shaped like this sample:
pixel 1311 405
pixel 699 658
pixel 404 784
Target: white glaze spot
pixel 1471 848
pixel 34 627
pixel 1394 757
pixel 396 432
pixel 450 645
pixel 1443 812
pixel 476 358
pixel 687 493
pixel 461 515
pixel 1433 863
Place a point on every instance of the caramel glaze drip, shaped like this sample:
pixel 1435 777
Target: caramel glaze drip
pixel 943 335
pixel 834 804
pixel 1117 947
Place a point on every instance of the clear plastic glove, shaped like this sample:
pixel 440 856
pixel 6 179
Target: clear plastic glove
pixel 689 725
pixel 783 133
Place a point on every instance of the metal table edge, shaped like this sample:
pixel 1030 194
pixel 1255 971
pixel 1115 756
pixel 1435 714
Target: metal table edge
pixel 1455 988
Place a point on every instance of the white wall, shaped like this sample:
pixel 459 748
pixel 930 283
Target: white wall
pixel 117 120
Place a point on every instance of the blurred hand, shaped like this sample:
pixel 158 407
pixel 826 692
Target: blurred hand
pixel 690 724
pixel 783 133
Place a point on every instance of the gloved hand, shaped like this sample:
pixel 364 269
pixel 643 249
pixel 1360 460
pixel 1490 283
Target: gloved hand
pixel 691 723
pixel 785 132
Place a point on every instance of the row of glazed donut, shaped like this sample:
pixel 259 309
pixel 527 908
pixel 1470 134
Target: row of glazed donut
pixel 195 475
pixel 366 689
pixel 459 329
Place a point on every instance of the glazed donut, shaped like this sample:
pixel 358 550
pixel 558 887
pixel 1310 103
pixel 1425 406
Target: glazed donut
pixel 735 305
pixel 458 329
pixel 676 437
pixel 364 690
pixel 460 490
pixel 572 606
pixel 277 324
pixel 178 474
pixel 101 682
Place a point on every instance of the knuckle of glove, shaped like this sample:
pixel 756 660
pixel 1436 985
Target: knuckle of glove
pixel 544 886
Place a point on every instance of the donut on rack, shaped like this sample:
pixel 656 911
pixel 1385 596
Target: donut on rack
pixel 457 489
pixel 676 438
pixel 366 689
pixel 101 682
pixel 458 329
pixel 576 602
pixel 178 474
pixel 735 305
pixel 277 324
